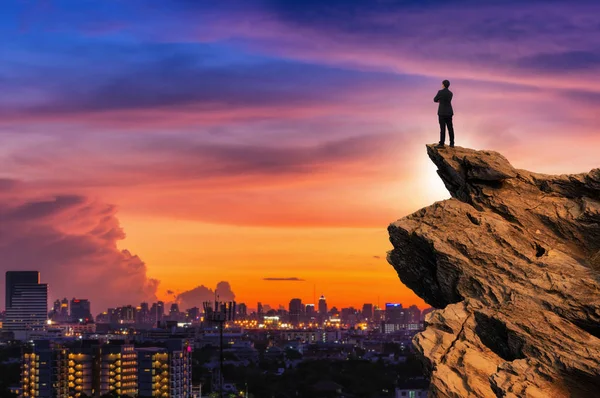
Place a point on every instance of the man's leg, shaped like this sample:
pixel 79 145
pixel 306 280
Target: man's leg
pixel 442 130
pixel 450 129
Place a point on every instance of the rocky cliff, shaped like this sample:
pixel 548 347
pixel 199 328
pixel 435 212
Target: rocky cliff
pixel 512 261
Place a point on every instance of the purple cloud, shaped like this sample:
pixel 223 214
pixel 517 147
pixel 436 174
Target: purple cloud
pixel 72 241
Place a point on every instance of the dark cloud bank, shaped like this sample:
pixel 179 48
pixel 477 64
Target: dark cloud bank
pixel 289 279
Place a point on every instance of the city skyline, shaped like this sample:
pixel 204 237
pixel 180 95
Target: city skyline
pixel 79 309
pixel 154 151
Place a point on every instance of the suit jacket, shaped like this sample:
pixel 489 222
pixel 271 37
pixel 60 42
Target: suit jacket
pixel 444 97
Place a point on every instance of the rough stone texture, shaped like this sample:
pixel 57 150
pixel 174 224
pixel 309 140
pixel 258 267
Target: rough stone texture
pixel 512 261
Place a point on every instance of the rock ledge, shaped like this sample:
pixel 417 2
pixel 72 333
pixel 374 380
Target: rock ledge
pixel 512 261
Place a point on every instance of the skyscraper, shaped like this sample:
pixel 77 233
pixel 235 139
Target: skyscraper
pixel 81 310
pixel 64 309
pixel 174 313
pixel 378 314
pixel 413 318
pixel 242 311
pixel 193 314
pixel 322 306
pixel 144 313
pixel 395 314
pixel 56 307
pixel 157 312
pixel 295 311
pixel 14 278
pixel 260 312
pixel 26 302
pixel 367 311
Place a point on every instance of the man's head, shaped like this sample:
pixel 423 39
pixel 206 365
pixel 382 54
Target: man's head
pixel 446 83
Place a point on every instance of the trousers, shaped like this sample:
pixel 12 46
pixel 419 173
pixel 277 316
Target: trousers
pixel 446 121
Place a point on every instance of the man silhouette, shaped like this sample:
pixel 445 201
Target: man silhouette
pixel 445 113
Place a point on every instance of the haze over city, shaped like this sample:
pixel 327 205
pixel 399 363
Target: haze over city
pixel 151 150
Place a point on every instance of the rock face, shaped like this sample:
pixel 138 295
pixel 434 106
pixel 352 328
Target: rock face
pixel 512 261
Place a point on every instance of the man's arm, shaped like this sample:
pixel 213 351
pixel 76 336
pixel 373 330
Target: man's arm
pixel 437 97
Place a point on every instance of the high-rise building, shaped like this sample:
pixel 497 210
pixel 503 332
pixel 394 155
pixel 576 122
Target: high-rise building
pixel 60 311
pixel 394 313
pixel 193 314
pixel 83 371
pixel 413 318
pixel 44 370
pixel 260 312
pixel 349 316
pixel 395 318
pixel 86 368
pixel 322 306
pixel 367 311
pixel 157 312
pixel 64 309
pixel 295 311
pixel 54 314
pixel 118 369
pixel 144 313
pixel 26 302
pixel 81 310
pixel 242 310
pixel 14 278
pixel 160 310
pixel 378 314
pixel 165 371
pixel 126 314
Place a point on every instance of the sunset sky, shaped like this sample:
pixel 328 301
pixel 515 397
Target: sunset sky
pixel 152 149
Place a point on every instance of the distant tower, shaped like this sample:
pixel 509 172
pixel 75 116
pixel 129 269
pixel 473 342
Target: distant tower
pixel 395 314
pixel 378 314
pixel 144 313
pixel 242 310
pixel 260 312
pixel 81 310
pixel 26 301
pixel 413 318
pixel 367 311
pixel 160 311
pixel 295 311
pixel 322 306
pixel 64 309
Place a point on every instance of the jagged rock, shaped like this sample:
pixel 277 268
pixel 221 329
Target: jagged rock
pixel 512 261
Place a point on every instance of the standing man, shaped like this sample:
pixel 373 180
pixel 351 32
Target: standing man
pixel 445 113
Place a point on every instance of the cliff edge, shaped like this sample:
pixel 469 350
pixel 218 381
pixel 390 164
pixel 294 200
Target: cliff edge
pixel 512 262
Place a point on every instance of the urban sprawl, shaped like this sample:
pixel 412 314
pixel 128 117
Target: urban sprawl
pixel 148 349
